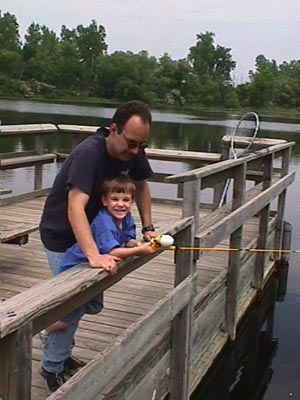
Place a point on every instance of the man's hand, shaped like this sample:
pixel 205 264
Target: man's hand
pixel 105 261
pixel 149 235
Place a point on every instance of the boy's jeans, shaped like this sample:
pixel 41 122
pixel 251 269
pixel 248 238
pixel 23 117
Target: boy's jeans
pixel 58 346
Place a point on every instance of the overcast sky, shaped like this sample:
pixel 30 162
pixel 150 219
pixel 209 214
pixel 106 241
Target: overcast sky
pixel 248 27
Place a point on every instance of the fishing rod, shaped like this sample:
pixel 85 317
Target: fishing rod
pixel 167 242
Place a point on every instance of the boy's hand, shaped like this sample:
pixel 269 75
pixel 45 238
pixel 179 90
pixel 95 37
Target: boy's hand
pixel 105 261
pixel 133 243
pixel 146 249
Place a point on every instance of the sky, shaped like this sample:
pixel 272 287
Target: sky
pixel 248 27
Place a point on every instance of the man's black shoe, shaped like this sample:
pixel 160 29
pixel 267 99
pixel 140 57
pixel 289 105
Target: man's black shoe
pixel 53 380
pixel 72 365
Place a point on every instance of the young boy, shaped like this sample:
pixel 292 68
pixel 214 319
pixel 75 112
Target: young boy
pixel 113 230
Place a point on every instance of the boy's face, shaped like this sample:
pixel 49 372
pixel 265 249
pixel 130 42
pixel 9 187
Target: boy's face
pixel 118 204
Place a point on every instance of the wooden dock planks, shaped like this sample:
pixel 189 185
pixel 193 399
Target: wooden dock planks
pixel 23 266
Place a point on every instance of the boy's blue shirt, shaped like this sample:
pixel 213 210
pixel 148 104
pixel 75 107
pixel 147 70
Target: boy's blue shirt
pixel 107 236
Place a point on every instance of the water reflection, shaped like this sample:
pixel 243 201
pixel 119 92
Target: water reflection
pixel 243 370
pixel 229 120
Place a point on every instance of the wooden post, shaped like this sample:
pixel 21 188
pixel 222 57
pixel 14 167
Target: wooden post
pixel 234 257
pixel 191 201
pixel 75 140
pixel 283 263
pixel 15 365
pixel 183 322
pixel 263 226
pixel 281 204
pixel 38 169
pixel 286 242
pixel 219 188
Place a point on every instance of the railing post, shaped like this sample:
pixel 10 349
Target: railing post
pixel 191 201
pixel 38 169
pixel 263 225
pixel 15 364
pixel 219 188
pixel 238 198
pixel 281 204
pixel 183 323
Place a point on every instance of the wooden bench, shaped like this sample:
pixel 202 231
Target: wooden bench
pixel 15 232
pixel 5 191
pixel 19 162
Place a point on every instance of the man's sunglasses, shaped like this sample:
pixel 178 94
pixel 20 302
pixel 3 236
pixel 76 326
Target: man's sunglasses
pixel 133 144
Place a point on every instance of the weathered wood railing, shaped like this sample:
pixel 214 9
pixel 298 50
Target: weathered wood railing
pixel 230 227
pixel 27 313
pixel 246 272
pixel 186 329
pixel 35 157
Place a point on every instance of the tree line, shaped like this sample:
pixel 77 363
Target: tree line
pixel 76 64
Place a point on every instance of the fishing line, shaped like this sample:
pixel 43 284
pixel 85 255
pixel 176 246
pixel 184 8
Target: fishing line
pixel 166 242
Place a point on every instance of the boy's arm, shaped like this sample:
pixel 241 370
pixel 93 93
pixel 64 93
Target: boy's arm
pixel 144 249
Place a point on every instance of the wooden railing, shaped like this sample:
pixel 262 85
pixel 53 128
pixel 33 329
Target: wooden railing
pixel 35 157
pixel 187 328
pixel 242 209
pixel 27 313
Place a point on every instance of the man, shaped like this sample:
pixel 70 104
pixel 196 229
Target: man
pixel 74 199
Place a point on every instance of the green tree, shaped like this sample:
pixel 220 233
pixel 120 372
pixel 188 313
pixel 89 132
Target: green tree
pixel 86 44
pixel 124 75
pixel 90 41
pixel 11 63
pixel 263 82
pixel 9 33
pixel 289 84
pixel 91 44
pixel 207 59
pixel 68 67
pixel 167 80
pixel 41 54
pixel 213 65
pixel 33 39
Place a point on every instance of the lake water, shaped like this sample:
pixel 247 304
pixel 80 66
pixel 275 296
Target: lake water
pixel 172 130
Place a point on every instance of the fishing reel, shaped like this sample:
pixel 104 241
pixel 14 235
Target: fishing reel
pixel 163 242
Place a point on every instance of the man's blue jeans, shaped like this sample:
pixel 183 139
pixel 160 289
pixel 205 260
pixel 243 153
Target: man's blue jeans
pixel 54 260
pixel 58 346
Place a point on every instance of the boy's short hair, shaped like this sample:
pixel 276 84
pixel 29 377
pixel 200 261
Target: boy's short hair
pixel 119 184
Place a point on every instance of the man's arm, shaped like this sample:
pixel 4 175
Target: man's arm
pixel 143 202
pixel 77 201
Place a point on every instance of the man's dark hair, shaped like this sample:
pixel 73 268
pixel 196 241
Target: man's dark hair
pixel 126 110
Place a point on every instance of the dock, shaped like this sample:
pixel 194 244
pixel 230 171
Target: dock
pixel 166 318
